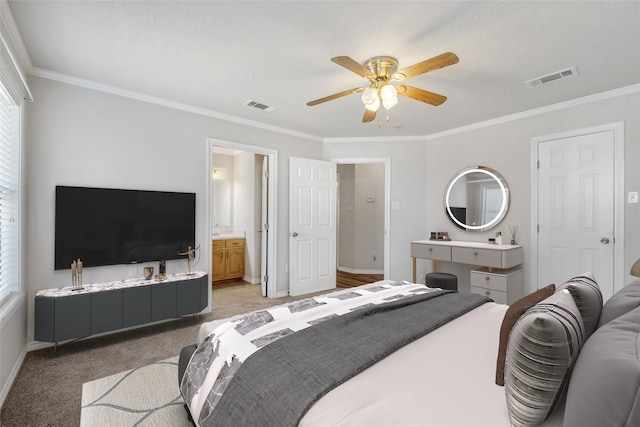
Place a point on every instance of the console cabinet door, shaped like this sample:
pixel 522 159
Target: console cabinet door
pixel 45 312
pixel 188 297
pixel 163 301
pixel 136 306
pixel 72 317
pixel 106 311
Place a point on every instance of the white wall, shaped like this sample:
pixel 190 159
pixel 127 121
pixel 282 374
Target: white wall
pixel 408 183
pixel 78 136
pixel 420 171
pixel 506 147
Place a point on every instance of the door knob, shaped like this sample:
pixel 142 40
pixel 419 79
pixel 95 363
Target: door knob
pixel 604 241
pixel 294 234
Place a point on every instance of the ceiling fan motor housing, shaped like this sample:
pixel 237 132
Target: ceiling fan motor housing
pixel 382 67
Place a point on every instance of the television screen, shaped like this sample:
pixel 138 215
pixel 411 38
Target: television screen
pixel 103 226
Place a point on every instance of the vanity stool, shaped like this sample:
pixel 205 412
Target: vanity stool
pixel 442 280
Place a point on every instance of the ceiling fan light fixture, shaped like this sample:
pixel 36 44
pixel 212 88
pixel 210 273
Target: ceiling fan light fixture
pixel 370 96
pixel 390 103
pixel 389 96
pixel 374 105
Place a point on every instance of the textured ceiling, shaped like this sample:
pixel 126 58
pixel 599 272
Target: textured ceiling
pixel 216 55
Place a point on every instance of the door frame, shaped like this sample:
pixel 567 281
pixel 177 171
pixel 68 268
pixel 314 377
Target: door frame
pixel 618 205
pixel 387 199
pixel 272 155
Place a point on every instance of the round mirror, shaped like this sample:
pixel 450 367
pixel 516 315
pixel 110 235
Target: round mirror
pixel 477 198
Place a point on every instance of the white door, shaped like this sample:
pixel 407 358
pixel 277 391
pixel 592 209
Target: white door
pixel 264 274
pixel 312 225
pixel 576 209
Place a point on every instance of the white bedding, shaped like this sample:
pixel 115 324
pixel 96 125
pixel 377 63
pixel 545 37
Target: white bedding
pixel 446 378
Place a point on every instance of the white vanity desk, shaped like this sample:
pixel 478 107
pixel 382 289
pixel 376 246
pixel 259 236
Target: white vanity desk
pixel 501 278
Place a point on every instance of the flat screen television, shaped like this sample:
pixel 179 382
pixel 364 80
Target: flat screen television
pixel 104 226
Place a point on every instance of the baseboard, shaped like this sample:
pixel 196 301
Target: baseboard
pixel 252 280
pixel 360 270
pixel 12 376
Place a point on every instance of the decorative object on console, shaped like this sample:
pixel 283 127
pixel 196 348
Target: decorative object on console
pixel 76 275
pixel 190 253
pixel 162 270
pixel 513 229
pixel 148 273
pixel 440 235
pixel 499 238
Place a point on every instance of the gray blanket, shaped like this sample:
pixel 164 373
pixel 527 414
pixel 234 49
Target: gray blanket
pixel 278 384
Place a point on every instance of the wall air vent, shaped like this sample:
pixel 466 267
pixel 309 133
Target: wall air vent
pixel 259 105
pixel 562 74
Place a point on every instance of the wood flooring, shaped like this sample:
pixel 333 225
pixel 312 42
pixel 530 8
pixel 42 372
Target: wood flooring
pixel 349 280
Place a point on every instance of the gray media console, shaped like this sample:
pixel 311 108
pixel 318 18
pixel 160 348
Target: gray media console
pixel 62 314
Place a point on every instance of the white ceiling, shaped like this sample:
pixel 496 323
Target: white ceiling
pixel 215 55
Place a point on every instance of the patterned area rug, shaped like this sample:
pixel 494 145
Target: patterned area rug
pixel 146 396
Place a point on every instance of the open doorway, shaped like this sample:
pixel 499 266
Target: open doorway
pixel 241 211
pixel 363 221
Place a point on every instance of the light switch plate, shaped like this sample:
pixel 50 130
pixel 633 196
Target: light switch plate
pixel 633 197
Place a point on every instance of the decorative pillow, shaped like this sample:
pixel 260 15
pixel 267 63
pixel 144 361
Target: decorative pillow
pixel 588 297
pixel 510 318
pixel 623 301
pixel 605 383
pixel 543 346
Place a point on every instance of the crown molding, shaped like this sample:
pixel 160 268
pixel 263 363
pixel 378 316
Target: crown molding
pixel 114 90
pixel 626 90
pixel 89 84
pixel 15 46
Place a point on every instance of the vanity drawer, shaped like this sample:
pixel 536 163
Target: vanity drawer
pixel 490 281
pixel 217 244
pixel 498 296
pixel 435 252
pixel 235 243
pixel 476 256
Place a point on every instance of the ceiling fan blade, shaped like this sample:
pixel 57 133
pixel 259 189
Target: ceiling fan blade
pixel 440 61
pixel 334 96
pixel 369 116
pixel 353 66
pixel 421 95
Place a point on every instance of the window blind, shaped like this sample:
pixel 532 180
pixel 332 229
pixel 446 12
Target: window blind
pixel 9 195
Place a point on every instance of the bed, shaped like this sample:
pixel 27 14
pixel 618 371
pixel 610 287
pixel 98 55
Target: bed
pixel 447 375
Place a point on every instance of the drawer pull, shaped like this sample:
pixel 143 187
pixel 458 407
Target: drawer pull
pixel 487 278
pixel 475 253
pixel 487 293
pixel 430 249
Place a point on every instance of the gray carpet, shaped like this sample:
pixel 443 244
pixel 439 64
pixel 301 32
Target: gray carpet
pixel 48 389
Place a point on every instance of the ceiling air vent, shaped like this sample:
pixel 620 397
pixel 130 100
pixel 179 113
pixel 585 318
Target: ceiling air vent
pixel 563 74
pixel 259 105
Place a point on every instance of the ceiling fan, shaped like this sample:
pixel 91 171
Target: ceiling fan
pixel 381 71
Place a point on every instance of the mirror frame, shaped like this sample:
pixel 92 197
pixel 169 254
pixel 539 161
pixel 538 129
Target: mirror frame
pixel 506 199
